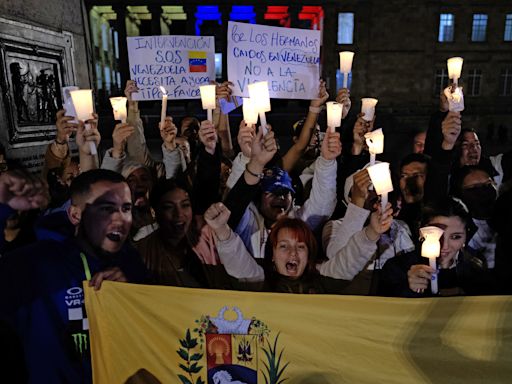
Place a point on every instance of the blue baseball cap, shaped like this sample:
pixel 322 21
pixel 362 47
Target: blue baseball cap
pixel 276 178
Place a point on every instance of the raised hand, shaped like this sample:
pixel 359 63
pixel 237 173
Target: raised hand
pixel 121 132
pixel 208 136
pixel 343 98
pixel 65 128
pixel 331 146
pixel 86 136
pixel 168 133
pixel 323 96
pixel 22 191
pixel 223 90
pixel 419 277
pixel 217 216
pixel 451 127
pixel 379 222
pixel 130 89
pixel 359 191
pixel 245 138
pixel 263 148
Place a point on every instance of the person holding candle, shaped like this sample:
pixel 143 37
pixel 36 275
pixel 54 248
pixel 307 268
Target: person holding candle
pixel 256 206
pixel 290 257
pixel 88 138
pixel 343 98
pixel 452 147
pixel 221 120
pixel 299 160
pixel 181 251
pixel 141 178
pixel 303 171
pixel 292 158
pixel 377 238
pixel 136 148
pixel 302 138
pixel 58 153
pixel 356 157
pixel 460 272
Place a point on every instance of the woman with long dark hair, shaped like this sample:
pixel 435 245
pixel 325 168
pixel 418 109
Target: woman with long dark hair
pixel 181 252
pixel 459 271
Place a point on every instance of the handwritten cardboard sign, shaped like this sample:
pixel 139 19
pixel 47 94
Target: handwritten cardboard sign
pixel 178 63
pixel 288 58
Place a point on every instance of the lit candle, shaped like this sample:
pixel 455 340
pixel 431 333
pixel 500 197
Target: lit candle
pixel 260 96
pixel 250 113
pixel 455 68
pixel 346 58
pixel 381 179
pixel 431 248
pixel 334 111
pixel 163 113
pixel 208 99
pixel 375 142
pixel 119 108
pixel 368 108
pixel 84 108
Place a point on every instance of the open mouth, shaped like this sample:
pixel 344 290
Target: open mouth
pixel 292 267
pixel 279 206
pixel 114 236
pixel 179 226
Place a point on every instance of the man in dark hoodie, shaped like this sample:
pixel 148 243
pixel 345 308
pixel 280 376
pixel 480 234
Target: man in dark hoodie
pixel 41 293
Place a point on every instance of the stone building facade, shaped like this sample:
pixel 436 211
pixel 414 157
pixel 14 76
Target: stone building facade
pixel 48 43
pixel 399 57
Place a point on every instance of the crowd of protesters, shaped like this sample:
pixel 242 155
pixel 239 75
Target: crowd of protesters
pixel 305 220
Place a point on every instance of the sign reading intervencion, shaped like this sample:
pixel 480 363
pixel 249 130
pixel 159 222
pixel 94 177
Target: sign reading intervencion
pixel 289 59
pixel 180 64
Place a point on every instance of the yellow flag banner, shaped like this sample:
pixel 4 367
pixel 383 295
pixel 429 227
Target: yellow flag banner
pixel 154 334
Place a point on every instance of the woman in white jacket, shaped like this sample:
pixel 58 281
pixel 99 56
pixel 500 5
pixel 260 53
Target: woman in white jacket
pixel 290 263
pixel 367 254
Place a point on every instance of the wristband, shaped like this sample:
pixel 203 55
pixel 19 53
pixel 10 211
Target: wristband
pixel 258 175
pixel 315 109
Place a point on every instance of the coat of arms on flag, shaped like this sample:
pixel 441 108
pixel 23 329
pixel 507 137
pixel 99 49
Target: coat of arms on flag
pixel 231 351
pixel 197 61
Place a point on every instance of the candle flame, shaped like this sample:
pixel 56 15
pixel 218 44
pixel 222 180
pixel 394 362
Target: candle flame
pixel 163 90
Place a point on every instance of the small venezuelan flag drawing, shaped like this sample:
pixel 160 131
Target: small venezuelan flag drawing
pixel 197 61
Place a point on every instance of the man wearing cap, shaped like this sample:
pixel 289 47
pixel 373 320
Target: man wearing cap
pixel 254 210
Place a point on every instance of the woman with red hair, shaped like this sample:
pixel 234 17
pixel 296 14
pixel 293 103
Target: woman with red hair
pixel 290 263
